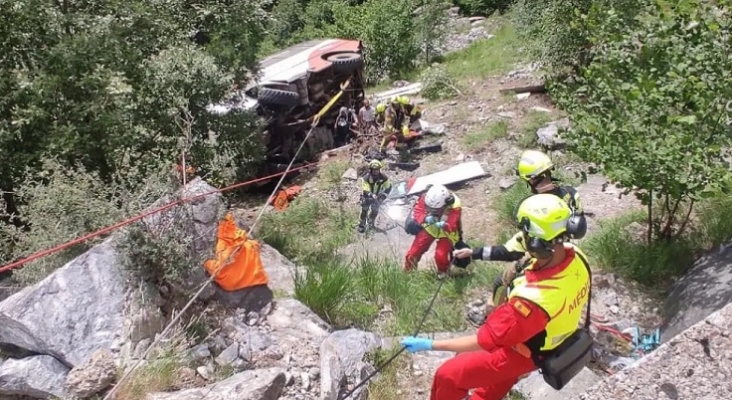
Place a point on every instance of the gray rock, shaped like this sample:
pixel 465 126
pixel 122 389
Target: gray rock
pixel 78 308
pixel 280 271
pixel 141 348
pixel 694 364
pixel 548 136
pixel 40 377
pixel 506 183
pixel 234 329
pixel 294 319
pixel 533 387
pixel 201 352
pixel 261 384
pixel 198 219
pixel 92 377
pixel 257 341
pixel 205 371
pixel 342 360
pixel 350 174
pixel 87 304
pixel 229 355
pixel 17 341
pixel 239 365
pixel 710 275
pixel 218 344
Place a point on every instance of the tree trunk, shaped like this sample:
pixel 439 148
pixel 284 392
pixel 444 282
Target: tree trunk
pixel 649 237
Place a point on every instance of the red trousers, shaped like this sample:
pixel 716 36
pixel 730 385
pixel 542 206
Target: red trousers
pixel 492 375
pixel 420 245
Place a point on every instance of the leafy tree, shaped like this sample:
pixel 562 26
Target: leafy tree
pixel 431 26
pixel 559 32
pixel 113 91
pixel 653 108
pixel 387 28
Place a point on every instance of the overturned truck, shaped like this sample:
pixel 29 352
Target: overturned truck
pixel 293 86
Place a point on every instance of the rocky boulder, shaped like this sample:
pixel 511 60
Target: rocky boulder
pixel 285 335
pixel 88 304
pixel 704 289
pixel 92 377
pixel 259 384
pixel 342 362
pixel 533 386
pixel 40 377
pixel 549 137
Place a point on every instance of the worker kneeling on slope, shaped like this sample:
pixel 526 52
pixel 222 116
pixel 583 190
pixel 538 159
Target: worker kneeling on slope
pixel 438 212
pixel 376 187
pixel 536 328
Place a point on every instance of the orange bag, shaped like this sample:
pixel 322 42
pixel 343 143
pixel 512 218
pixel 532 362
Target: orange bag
pixel 238 257
pixel 282 199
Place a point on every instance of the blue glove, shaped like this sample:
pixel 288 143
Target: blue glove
pixel 430 219
pixel 440 224
pixel 415 344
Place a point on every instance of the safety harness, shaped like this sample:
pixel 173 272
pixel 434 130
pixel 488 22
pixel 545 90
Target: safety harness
pixel 558 366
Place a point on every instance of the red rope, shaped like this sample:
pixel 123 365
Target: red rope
pixel 126 222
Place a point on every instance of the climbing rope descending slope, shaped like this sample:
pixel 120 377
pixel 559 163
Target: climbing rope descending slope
pixel 177 317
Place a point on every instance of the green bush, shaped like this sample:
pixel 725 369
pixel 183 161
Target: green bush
pixel 558 32
pixel 615 248
pixel 652 119
pixel 438 84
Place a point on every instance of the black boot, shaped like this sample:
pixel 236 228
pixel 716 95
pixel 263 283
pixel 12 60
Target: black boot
pixel 361 228
pixel 372 219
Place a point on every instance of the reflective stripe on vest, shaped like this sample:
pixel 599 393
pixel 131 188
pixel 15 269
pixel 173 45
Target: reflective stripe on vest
pixel 440 233
pixel 562 297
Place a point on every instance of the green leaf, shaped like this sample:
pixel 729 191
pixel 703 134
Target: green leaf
pixel 689 119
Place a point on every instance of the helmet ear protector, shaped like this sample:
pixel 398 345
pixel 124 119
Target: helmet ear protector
pixel 577 226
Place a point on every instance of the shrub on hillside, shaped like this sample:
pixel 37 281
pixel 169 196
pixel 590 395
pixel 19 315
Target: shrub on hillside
pixel 559 32
pixel 438 84
pixel 57 205
pixel 60 204
pixel 483 7
pixel 652 110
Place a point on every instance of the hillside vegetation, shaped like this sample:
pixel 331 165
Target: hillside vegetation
pixel 99 100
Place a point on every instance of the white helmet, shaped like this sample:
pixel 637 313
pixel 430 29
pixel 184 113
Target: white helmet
pixel 436 197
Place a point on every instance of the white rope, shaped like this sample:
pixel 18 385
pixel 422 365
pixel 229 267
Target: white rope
pixel 210 279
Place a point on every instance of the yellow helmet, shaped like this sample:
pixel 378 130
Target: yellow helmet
pixel 394 100
pixel 403 100
pixel 380 108
pixel 533 164
pixel 543 216
pixel 376 164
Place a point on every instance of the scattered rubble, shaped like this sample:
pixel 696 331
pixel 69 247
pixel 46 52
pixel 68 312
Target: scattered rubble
pixel 462 32
pixel 692 365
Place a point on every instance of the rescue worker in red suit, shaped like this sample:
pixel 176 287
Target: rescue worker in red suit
pixel 438 212
pixel 544 307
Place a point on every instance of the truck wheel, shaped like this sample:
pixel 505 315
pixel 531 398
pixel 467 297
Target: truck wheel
pixel 345 62
pixel 278 97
